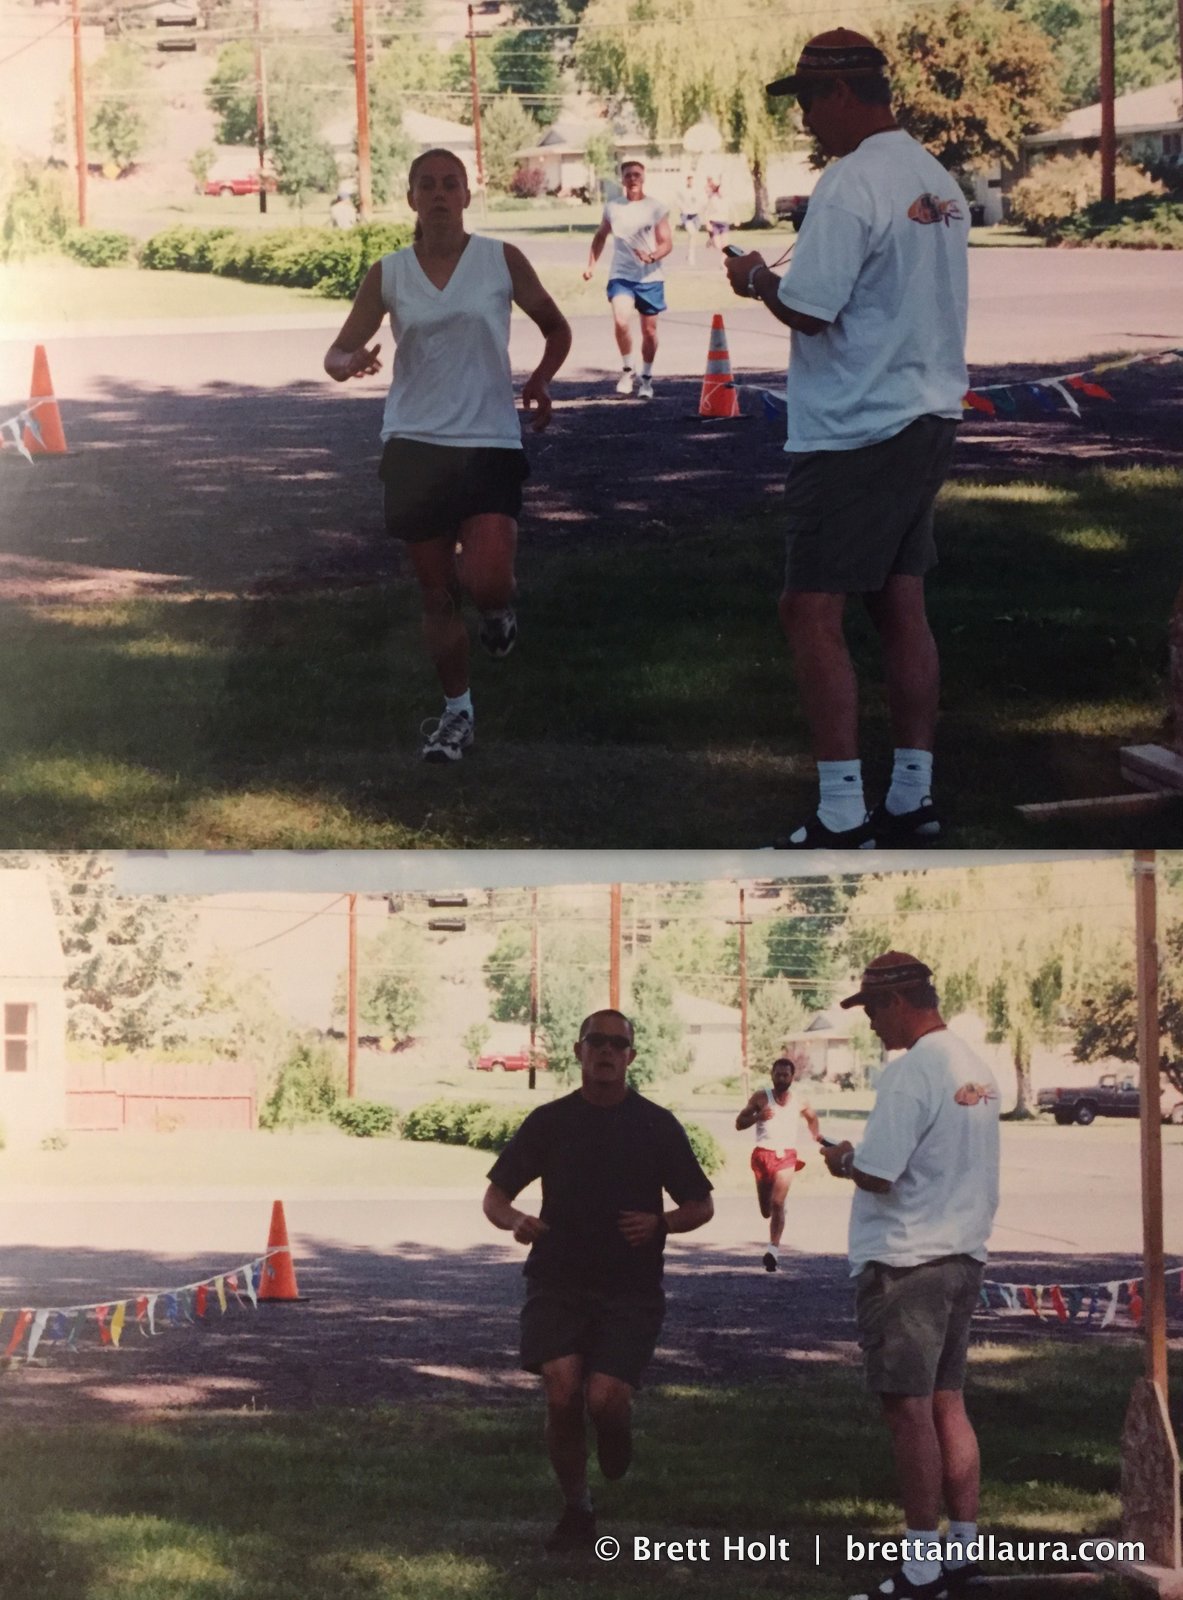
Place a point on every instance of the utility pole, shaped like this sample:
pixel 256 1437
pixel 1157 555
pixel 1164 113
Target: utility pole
pixel 476 101
pixel 614 948
pixel 1108 133
pixel 80 112
pixel 533 979
pixel 365 193
pixel 351 1006
pixel 260 109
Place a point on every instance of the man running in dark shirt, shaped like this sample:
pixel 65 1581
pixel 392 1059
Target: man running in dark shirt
pixel 594 1302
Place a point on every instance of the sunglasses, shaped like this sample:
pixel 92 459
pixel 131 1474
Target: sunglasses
pixel 879 1003
pixel 611 1041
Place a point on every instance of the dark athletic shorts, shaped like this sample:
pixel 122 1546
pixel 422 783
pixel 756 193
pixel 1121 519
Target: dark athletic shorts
pixel 616 1334
pixel 913 1323
pixel 430 489
pixel 855 517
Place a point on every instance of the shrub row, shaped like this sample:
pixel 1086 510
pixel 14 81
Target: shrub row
pixel 364 1119
pixel 471 1122
pixel 98 247
pixel 1149 222
pixel 1060 198
pixel 329 261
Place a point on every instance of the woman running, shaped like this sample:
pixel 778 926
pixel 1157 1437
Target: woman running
pixel 452 461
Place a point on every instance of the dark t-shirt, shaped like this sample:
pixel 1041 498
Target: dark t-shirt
pixel 595 1162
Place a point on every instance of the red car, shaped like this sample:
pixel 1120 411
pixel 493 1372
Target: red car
pixel 247 185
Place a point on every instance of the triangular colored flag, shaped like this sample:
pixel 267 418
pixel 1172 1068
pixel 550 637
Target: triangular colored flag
pixel 35 1332
pixel 972 401
pixel 251 1283
pixel 13 428
pixel 1054 383
pixel 220 1291
pixel 202 1296
pixel 1056 1296
pixel 23 1320
pixel 1029 1299
pixel 1111 1308
pixel 1041 397
pixel 1075 1301
pixel 101 1313
pixel 117 1322
pixel 1085 387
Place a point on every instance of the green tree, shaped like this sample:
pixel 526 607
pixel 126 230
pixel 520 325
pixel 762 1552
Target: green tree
pixel 1145 44
pixel 119 121
pixel 969 81
pixel 775 1011
pixel 230 93
pixel 304 162
pixel 699 960
pixel 526 65
pixel 680 60
pixel 130 980
pixel 237 1019
pixel 1105 1021
pixel 410 72
pixel 801 943
pixel 507 127
pixel 507 974
pixel 200 163
pixel 390 996
pixel 661 1036
pixel 474 1041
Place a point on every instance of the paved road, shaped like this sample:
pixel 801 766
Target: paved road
pixel 413 1296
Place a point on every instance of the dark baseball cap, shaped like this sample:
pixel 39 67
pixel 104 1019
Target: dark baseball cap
pixel 840 53
pixel 892 970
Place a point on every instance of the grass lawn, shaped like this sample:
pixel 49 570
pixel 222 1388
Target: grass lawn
pixel 62 293
pixel 292 721
pixel 450 1501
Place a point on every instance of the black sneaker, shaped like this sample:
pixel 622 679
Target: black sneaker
pixel 898 1587
pixel 958 1579
pixel 575 1530
pixel 769 1261
pixel 818 837
pixel 614 1451
pixel 499 634
pixel 919 826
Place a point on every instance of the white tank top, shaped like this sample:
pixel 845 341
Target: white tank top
pixel 452 383
pixel 782 1129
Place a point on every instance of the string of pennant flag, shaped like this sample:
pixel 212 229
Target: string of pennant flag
pixel 1045 396
pixel 16 425
pixel 149 1313
pixel 1086 1304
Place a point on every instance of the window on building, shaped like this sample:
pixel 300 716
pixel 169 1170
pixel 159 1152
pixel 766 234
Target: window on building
pixel 20 1039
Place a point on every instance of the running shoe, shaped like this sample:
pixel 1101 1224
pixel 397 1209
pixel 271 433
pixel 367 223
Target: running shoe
pixel 645 389
pixel 499 634
pixel 770 1262
pixel 448 737
pixel 896 1586
pixel 624 384
pixel 919 826
pixel 575 1530
pixel 816 836
pixel 614 1451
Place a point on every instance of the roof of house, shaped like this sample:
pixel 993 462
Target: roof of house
pixel 29 942
pixel 1144 111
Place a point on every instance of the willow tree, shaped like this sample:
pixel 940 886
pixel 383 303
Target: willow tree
pixel 677 61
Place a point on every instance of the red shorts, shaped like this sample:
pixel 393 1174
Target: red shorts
pixel 766 1163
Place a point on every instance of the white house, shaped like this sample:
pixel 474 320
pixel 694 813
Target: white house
pixel 712 1035
pixel 1148 122
pixel 32 1008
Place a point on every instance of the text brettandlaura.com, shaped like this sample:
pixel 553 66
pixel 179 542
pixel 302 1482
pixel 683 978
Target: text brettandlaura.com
pixel 770 1547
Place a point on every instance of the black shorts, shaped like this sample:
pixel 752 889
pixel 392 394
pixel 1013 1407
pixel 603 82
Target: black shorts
pixel 616 1334
pixel 430 489
pixel 856 517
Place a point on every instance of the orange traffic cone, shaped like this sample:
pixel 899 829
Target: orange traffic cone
pixel 719 396
pixel 43 433
pixel 279 1276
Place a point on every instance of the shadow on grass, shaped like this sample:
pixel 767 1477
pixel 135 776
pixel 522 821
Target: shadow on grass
pixel 281 707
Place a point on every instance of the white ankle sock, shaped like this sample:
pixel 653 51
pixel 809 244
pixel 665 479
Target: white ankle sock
pixel 961 1534
pixel 911 781
pixel 459 702
pixel 922 1571
pixel 646 369
pixel 841 805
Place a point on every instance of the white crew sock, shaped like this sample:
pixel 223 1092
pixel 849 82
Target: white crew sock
pixel 646 369
pixel 842 805
pixel 773 1250
pixel 921 1571
pixel 911 781
pixel 962 1534
pixel 626 366
pixel 459 702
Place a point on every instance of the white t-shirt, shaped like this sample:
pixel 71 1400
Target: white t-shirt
pixel 782 1130
pixel 882 258
pixel 933 1134
pixel 452 383
pixel 634 227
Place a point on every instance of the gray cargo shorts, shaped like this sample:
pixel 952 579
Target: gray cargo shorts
pixel 856 517
pixel 913 1323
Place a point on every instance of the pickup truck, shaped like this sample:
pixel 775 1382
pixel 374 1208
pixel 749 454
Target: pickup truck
pixel 1110 1096
pixel 508 1061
